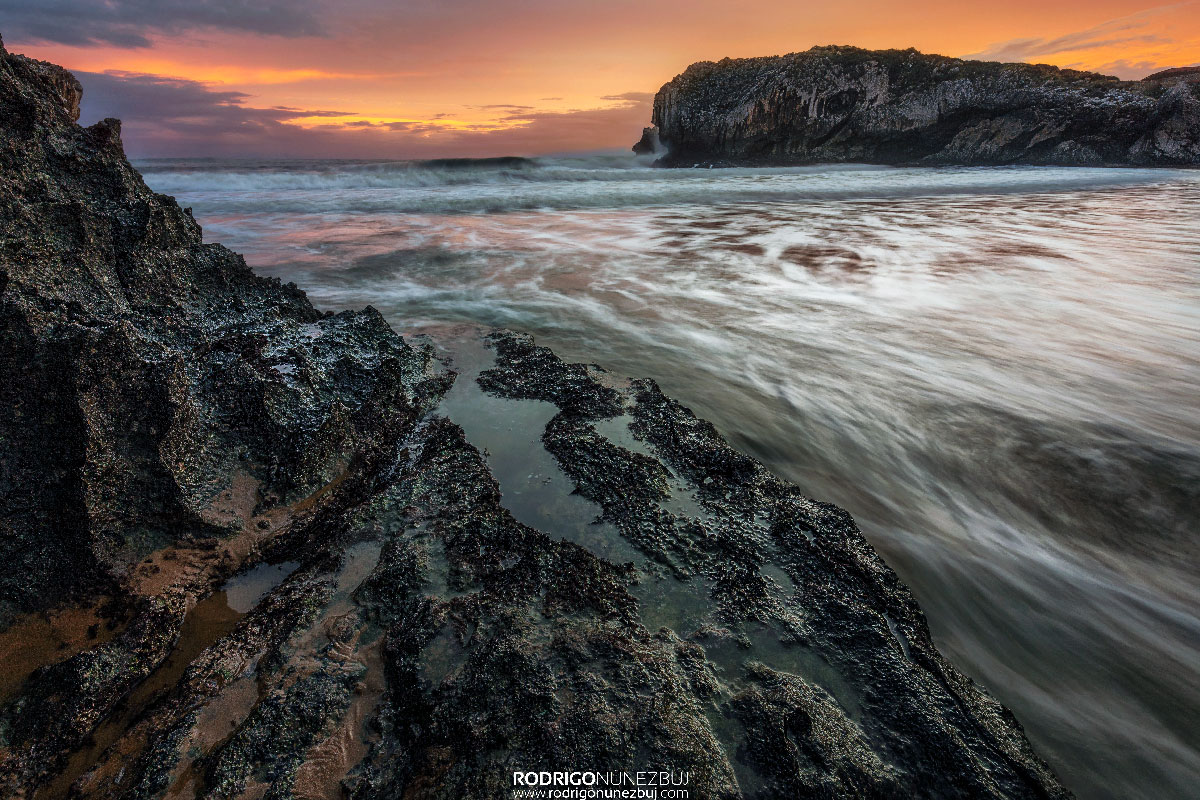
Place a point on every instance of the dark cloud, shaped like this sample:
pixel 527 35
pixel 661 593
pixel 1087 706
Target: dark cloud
pixel 130 23
pixel 132 97
pixel 161 113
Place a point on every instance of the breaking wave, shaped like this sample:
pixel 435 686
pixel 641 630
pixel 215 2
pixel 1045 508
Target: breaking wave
pixel 502 184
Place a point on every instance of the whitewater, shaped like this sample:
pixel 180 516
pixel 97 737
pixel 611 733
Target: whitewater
pixel 995 370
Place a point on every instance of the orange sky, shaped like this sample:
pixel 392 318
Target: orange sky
pixel 467 77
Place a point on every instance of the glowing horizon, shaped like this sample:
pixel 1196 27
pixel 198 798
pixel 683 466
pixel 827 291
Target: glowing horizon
pixel 473 78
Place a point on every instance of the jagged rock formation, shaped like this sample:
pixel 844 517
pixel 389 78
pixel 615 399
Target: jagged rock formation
pixel 249 555
pixel 838 104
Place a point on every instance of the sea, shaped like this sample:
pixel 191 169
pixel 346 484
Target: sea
pixel 995 370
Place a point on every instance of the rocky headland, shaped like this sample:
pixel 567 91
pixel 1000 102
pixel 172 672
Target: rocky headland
pixel 902 107
pixel 257 550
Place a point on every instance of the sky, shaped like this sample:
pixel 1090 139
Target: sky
pixel 472 78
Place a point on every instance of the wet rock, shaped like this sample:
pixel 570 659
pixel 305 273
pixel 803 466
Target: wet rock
pixel 63 702
pixel 789 603
pixel 270 746
pixel 846 104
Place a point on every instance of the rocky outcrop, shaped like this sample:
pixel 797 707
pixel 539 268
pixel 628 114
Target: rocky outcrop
pixel 845 104
pixel 1170 77
pixel 249 554
pixel 144 367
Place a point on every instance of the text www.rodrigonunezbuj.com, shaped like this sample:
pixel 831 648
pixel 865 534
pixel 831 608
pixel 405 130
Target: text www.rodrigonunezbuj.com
pixel 645 785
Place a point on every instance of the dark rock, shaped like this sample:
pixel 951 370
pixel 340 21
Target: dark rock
pixel 649 144
pixel 845 104
pixel 144 367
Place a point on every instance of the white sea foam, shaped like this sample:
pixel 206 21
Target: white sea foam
pixel 322 187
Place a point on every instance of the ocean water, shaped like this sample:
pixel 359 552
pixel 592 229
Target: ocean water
pixel 995 370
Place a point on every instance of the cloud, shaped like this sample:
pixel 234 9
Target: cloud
pixel 630 97
pixel 130 23
pixel 1123 68
pixel 504 107
pixel 158 112
pixel 175 117
pixel 1113 33
pixel 1025 49
pixel 300 112
pixel 564 131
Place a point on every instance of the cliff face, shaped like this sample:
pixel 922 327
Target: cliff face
pixel 247 554
pixel 838 104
